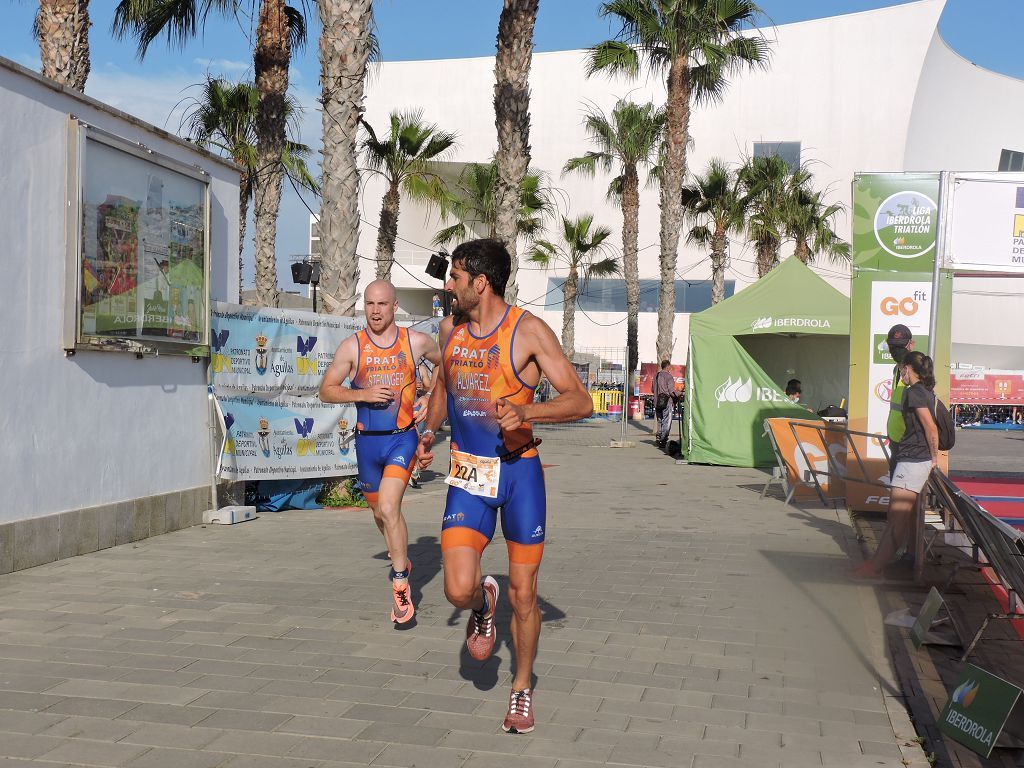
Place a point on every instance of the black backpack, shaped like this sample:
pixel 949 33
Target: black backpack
pixel 944 422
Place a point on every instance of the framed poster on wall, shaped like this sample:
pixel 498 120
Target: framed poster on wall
pixel 138 248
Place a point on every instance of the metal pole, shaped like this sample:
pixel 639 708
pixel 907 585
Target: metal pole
pixel 625 393
pixel 314 297
pixel 941 243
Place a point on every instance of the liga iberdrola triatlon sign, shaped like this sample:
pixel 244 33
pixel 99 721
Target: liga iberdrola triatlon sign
pixel 895 227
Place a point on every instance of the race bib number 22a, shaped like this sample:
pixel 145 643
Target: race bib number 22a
pixel 475 474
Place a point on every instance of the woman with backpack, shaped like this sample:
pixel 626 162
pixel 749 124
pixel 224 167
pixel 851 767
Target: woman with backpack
pixel 916 454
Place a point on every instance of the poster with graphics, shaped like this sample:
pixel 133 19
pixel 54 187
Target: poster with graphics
pixel 266 366
pixel 892 302
pixel 143 250
pixel 895 223
pixel 986 230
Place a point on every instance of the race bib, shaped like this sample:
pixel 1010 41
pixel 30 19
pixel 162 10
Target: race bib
pixel 475 474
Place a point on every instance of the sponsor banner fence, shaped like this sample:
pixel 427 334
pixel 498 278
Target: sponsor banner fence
pixel 266 366
pixel 817 442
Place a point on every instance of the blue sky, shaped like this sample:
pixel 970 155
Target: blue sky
pixel 985 32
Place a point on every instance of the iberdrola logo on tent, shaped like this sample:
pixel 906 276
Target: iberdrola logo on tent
pixel 735 391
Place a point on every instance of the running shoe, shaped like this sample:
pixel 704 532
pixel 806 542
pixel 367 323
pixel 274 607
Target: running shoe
pixel 480 634
pixel 402 609
pixel 520 712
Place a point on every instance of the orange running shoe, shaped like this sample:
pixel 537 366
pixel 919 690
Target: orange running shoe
pixel 520 712
pixel 402 610
pixel 480 634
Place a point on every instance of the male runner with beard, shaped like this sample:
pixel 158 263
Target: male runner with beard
pixel 381 361
pixel 491 362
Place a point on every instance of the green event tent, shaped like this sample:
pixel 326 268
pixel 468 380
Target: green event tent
pixel 790 324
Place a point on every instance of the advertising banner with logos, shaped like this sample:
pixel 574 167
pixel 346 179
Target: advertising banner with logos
pixel 985 215
pixel 645 382
pixel 266 366
pixel 895 225
pixel 986 387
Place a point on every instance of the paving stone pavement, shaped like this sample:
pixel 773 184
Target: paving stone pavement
pixel 686 623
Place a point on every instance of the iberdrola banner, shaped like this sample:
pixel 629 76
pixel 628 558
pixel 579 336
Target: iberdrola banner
pixel 266 367
pixel 729 397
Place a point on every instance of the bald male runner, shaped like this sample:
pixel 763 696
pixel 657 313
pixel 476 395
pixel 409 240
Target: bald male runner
pixel 381 361
pixel 491 362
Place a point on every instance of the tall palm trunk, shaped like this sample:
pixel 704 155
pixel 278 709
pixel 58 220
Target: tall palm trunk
pixel 630 269
pixel 803 250
pixel 718 265
pixel 344 52
pixel 388 231
pixel 677 125
pixel 63 30
pixel 767 257
pixel 273 54
pixel 512 119
pixel 569 291
pixel 244 191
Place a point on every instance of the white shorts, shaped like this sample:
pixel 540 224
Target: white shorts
pixel 911 475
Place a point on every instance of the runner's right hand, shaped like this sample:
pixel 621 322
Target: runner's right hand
pixel 424 451
pixel 378 395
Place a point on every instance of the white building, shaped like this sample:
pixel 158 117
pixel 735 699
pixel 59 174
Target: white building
pixel 873 91
pixel 103 447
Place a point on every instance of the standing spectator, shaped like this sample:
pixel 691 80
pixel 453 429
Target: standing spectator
pixel 917 454
pixel 435 306
pixel 900 342
pixel 664 402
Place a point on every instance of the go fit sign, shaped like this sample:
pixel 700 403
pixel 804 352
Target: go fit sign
pixel 908 303
pixel 906 306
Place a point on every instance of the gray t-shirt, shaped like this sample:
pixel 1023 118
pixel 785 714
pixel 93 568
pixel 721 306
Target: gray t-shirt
pixel 664 382
pixel 914 445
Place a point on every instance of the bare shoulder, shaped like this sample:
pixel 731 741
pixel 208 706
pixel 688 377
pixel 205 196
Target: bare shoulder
pixel 348 350
pixel 536 333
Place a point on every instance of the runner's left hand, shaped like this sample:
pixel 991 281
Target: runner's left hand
pixel 510 416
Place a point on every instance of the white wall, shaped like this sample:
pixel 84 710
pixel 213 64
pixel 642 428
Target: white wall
pixel 97 427
pixel 843 86
pixel 963 117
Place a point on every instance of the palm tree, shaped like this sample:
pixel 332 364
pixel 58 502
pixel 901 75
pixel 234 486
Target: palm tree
pixel 403 158
pixel 471 201
pixel 512 120
pixel 280 30
pixel 697 45
pixel 223 118
pixel 717 204
pixel 809 224
pixel 767 182
pixel 62 29
pixel 627 140
pixel 582 253
pixel 347 45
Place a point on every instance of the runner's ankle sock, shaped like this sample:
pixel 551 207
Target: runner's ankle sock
pixel 400 575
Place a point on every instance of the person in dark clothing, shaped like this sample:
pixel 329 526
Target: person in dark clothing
pixel 664 402
pixel 917 453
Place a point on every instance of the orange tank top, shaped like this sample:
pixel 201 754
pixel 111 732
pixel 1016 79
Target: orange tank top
pixel 393 367
pixel 478 370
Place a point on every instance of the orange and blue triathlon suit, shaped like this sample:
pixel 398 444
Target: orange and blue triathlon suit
pixel 478 371
pixel 386 437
